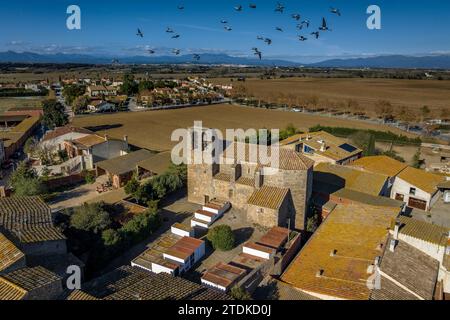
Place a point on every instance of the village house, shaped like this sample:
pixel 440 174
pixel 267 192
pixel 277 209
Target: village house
pixel 15 130
pixel 101 106
pixel 101 90
pixel 142 163
pixel 338 262
pixel 274 199
pixel 54 140
pixel 134 283
pixel 94 148
pixel 323 147
pixel 417 188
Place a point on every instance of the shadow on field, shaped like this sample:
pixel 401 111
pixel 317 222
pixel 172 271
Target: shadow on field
pixel 105 127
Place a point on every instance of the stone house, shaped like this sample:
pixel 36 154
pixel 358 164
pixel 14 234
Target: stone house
pixel 269 196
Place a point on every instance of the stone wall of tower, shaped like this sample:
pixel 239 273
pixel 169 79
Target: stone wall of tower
pixel 300 184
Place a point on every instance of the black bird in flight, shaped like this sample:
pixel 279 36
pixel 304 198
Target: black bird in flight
pixel 259 38
pixel 252 6
pixel 268 41
pixel 335 11
pixel 176 51
pixel 257 53
pixel 224 21
pixel 151 51
pixel 139 33
pixel 302 38
pixel 227 28
pixel 180 7
pixel 306 22
pixel 296 16
pixel 324 26
pixel 280 8
pixel 279 29
pixel 175 36
pixel 316 34
pixel 169 30
pixel 238 8
pixel 196 57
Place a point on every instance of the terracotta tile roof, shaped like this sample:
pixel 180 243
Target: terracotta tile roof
pixel 89 140
pixel 390 291
pixel 64 130
pixel 334 145
pixel 425 181
pixel 246 181
pixel 268 197
pixel 222 176
pixel 126 163
pixel 80 296
pixel 334 261
pixel 28 279
pixel 24 211
pixel 411 268
pixel 444 185
pixel 9 253
pixel 223 274
pixel 381 165
pixel 349 178
pixel 33 234
pixel 184 248
pixel 259 247
pixel 133 283
pixel 288 159
pixel 367 198
pixel 10 291
pixel 274 238
pixel 424 231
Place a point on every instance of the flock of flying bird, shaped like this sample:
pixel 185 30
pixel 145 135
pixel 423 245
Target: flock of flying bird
pixel 280 8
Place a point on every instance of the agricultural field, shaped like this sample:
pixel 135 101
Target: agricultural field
pixel 20 103
pixel 153 129
pixel 412 94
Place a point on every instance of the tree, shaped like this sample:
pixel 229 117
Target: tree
pixel 221 237
pixel 132 186
pixel 80 104
pixel 146 85
pixel 416 159
pixel 54 114
pixel 111 237
pixel 72 91
pixel 30 146
pixel 312 223
pixel 239 293
pixel 384 109
pixel 25 182
pixel 129 86
pixel 91 217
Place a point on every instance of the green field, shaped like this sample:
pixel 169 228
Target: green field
pixel 21 103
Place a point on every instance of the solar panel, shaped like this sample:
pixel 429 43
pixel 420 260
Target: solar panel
pixel 347 147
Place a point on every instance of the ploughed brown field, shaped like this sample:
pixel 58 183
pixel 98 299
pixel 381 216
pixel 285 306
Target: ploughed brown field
pixel 153 129
pixel 413 94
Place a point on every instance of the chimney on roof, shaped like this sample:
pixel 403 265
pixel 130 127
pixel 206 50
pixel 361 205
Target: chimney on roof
pixel 125 139
pixel 323 146
pixel 392 245
pixel 396 230
pixel 258 179
pixel 106 137
pixel 319 273
pixel 333 253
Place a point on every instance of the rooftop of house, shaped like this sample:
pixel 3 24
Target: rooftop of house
pixel 324 144
pixel 157 163
pixel 9 253
pixel 184 248
pixel 64 130
pixel 445 185
pixel 29 219
pixel 380 164
pixel 425 181
pixel 15 134
pixel 274 238
pixel 391 291
pixel 362 197
pixel 125 164
pixel 335 260
pixel 247 181
pixel 423 230
pixel 252 153
pixel 89 141
pixel 16 284
pixel 268 197
pixel 134 283
pixel 347 177
pixel 223 274
pixel 411 268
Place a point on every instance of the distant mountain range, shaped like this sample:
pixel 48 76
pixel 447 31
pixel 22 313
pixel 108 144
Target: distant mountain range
pixel 386 61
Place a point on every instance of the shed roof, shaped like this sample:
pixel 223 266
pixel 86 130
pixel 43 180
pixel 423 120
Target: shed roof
pixel 425 181
pixel 268 197
pixel 423 230
pixel 223 274
pixel 157 163
pixel 126 163
pixel 380 164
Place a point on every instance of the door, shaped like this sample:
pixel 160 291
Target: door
pixel 416 203
pixel 206 199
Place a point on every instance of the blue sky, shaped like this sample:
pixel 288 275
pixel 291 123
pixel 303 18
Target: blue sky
pixel 109 27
